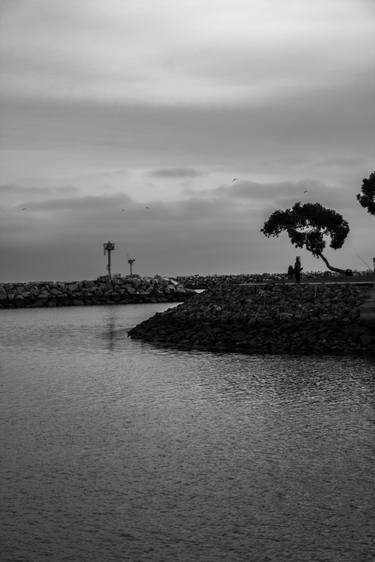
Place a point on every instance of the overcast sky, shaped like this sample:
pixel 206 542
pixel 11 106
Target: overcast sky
pixel 175 127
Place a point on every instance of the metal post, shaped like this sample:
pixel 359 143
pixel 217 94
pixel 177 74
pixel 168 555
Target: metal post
pixel 108 247
pixel 109 264
pixel 130 262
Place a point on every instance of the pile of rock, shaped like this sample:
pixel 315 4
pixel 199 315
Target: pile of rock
pixel 121 290
pixel 211 281
pixel 269 318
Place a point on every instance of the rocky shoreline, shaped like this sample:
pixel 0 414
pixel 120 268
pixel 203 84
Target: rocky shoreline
pixel 119 290
pixel 211 281
pixel 267 318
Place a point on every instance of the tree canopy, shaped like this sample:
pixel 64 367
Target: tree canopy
pixel 367 195
pixel 307 226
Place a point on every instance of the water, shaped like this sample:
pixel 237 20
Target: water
pixel 114 450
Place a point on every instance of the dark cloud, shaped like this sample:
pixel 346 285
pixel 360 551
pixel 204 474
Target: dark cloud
pixel 82 204
pixel 120 100
pixel 342 120
pixel 280 194
pixel 13 189
pixel 10 190
pixel 343 162
pixel 175 173
pixel 206 232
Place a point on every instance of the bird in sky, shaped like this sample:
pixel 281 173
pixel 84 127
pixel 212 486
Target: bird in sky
pixel 24 209
pixel 235 179
pixel 306 191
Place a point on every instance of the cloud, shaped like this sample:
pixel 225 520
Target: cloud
pixel 166 237
pixel 163 52
pixel 217 231
pixel 13 189
pixel 343 162
pixel 87 203
pixel 13 194
pixel 313 126
pixel 265 196
pixel 175 173
pixel 123 105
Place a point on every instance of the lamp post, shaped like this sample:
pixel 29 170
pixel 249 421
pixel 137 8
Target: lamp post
pixel 109 247
pixel 130 262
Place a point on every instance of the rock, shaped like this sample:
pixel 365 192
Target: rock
pixel 267 319
pixel 130 289
pixel 44 295
pixel 285 315
pixel 366 339
pixel 120 290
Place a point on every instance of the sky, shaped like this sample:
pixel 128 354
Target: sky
pixel 175 127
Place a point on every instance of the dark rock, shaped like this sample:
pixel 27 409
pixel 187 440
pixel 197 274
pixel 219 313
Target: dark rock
pixel 267 319
pixel 118 291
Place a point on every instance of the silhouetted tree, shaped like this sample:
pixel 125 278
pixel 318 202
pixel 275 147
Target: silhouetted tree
pixel 307 225
pixel 367 195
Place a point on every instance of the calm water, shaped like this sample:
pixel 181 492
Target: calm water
pixel 114 450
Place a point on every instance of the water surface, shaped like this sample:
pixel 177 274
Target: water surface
pixel 115 450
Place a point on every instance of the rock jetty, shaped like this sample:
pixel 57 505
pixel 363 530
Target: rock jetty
pixel 267 318
pixel 119 290
pixel 210 281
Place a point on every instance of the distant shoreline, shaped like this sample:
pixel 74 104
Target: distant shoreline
pixel 123 290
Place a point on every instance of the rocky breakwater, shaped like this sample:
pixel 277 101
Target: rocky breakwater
pixel 268 318
pixel 212 281
pixel 122 290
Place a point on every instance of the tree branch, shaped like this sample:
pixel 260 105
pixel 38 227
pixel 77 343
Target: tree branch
pixel 335 269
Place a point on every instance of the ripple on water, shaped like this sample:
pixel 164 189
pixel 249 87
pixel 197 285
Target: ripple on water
pixel 115 450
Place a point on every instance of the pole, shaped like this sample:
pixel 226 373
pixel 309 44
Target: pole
pixel 130 262
pixel 108 247
pixel 109 263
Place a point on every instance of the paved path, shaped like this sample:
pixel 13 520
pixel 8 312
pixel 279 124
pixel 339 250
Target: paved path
pixel 362 283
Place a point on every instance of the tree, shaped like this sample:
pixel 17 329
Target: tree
pixel 367 195
pixel 306 226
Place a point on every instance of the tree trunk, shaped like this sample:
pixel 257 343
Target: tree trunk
pixel 335 269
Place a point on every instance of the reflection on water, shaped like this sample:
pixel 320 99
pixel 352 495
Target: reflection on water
pixel 111 332
pixel 115 450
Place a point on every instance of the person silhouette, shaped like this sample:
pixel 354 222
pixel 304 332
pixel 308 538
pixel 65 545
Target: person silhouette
pixel 297 269
pixel 290 273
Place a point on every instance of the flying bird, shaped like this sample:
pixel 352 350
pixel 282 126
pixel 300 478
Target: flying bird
pixel 24 209
pixel 235 179
pixel 306 191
